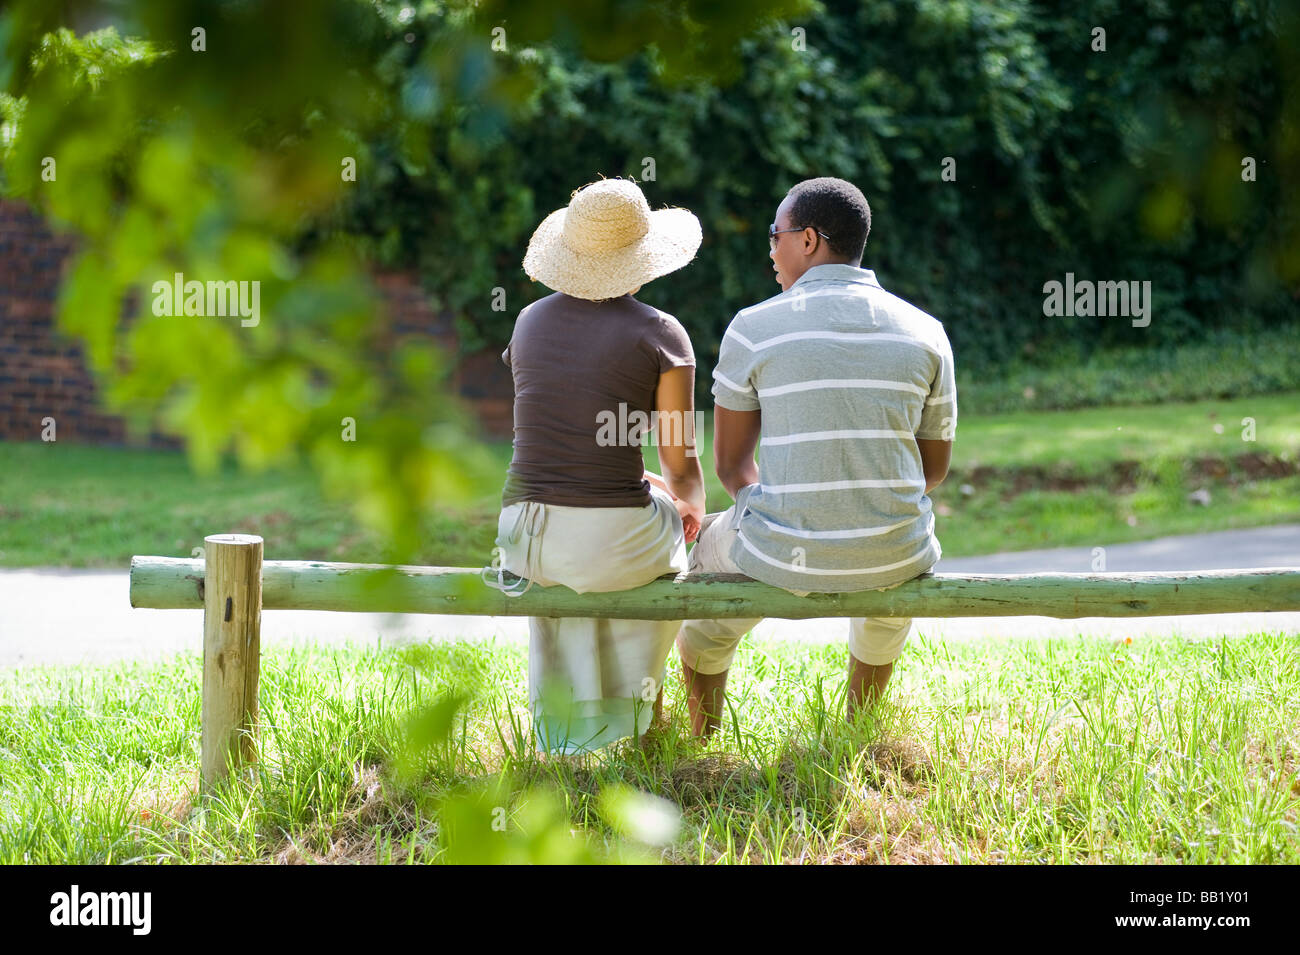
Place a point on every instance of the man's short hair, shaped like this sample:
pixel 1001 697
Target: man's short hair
pixel 835 208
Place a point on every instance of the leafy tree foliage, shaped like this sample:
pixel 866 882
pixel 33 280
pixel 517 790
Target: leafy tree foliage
pixel 1115 164
pixel 1000 145
pixel 213 143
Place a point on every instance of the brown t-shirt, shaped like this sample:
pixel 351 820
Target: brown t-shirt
pixel 574 364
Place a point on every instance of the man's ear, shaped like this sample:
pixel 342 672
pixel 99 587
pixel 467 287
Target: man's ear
pixel 809 242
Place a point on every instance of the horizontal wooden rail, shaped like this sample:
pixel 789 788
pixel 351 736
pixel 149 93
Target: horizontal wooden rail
pixel 178 583
pixel 234 585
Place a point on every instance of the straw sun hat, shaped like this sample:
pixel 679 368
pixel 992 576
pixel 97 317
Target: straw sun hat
pixel 607 242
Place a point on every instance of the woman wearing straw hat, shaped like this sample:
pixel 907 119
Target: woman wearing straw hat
pixel 579 508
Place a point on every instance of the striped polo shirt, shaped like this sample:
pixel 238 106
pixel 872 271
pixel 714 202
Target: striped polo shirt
pixel 846 376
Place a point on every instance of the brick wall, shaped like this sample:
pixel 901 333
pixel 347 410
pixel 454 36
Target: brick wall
pixel 41 374
pixel 480 379
pixel 44 374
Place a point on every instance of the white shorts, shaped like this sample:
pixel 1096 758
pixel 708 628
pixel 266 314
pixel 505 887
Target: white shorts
pixel 709 646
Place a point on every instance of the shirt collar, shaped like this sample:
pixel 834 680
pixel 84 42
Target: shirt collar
pixel 838 272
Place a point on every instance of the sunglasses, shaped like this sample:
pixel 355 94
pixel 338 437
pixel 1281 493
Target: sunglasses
pixel 773 232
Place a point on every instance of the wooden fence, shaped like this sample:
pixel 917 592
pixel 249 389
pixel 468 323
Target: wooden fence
pixel 233 585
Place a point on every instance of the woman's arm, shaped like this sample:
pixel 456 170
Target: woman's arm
pixel 656 480
pixel 675 402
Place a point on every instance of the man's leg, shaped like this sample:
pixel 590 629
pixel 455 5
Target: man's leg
pixel 874 644
pixel 706 695
pixel 707 647
pixel 866 684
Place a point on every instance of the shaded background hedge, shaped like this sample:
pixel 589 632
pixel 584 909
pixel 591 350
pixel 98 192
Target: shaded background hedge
pixel 1122 164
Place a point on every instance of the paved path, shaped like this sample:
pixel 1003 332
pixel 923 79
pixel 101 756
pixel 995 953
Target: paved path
pixel 1277 546
pixel 85 616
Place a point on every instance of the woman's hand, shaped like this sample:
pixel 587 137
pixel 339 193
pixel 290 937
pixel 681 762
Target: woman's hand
pixel 692 517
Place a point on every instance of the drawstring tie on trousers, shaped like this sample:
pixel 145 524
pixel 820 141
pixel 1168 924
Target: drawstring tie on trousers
pixel 531 521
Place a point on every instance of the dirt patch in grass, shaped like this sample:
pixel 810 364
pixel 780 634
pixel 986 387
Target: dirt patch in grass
pixel 263 522
pixel 1122 477
pixel 702 781
pixel 354 837
pixel 1281 766
pixel 1254 466
pixel 355 850
pixel 163 810
pixel 887 827
pixel 903 757
pixel 883 807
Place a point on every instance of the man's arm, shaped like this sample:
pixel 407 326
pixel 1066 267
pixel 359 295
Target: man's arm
pixel 938 417
pixel 735 438
pixel 935 456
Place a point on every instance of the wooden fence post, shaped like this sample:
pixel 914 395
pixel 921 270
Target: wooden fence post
pixel 232 626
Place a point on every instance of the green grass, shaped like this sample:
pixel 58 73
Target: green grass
pixel 1035 478
pixel 1227 364
pixel 1086 440
pixel 1110 475
pixel 1043 751
pixel 986 523
pixel 78 506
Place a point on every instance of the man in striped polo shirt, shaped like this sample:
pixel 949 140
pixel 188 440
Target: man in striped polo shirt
pixel 851 390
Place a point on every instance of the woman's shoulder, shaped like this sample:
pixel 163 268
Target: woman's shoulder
pixel 544 304
pixel 666 335
pixel 657 316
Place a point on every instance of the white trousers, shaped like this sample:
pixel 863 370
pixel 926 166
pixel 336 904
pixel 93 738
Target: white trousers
pixel 592 681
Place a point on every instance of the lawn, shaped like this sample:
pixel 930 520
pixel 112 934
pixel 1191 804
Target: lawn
pixel 1101 476
pixel 1046 751
pixel 1020 480
pixel 1088 441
